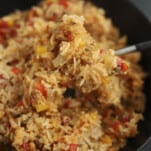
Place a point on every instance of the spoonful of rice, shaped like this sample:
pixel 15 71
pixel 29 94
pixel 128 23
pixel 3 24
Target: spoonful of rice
pixel 136 47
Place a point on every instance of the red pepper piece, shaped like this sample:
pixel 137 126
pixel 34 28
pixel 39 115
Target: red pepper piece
pixel 2 40
pixel 30 15
pixel 8 125
pixel 13 62
pixel 4 32
pixel 66 104
pixel 25 146
pixel 64 3
pixel 42 89
pixel 73 147
pixel 16 70
pixel 124 67
pixel 3 24
pixel 116 125
pixel 53 17
pixel 20 103
pixel 68 35
pixel 1 76
pixel 13 32
pixel 125 119
pixel 63 85
pixel 102 51
pixel 17 26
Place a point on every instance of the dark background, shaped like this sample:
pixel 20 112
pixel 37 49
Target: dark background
pixel 145 6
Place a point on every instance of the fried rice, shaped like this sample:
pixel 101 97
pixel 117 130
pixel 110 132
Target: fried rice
pixel 61 86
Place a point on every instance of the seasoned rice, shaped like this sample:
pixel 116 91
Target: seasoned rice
pixel 61 86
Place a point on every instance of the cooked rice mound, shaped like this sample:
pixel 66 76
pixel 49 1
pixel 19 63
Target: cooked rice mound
pixel 61 86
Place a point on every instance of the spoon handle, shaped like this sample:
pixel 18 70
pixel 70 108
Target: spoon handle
pixel 137 47
pixel 146 146
pixel 143 45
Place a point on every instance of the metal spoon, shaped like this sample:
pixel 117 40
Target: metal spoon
pixel 136 47
pixel 146 146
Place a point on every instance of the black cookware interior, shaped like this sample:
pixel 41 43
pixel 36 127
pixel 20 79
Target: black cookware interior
pixel 131 22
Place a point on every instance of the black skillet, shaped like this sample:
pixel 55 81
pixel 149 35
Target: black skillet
pixel 131 22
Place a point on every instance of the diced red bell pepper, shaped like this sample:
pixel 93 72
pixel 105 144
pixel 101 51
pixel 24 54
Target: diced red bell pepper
pixel 3 24
pixel 2 40
pixel 1 76
pixel 8 125
pixel 32 13
pixel 68 34
pixel 4 32
pixel 42 89
pixel 53 17
pixel 64 3
pixel 116 125
pixel 64 84
pixel 73 147
pixel 12 62
pixel 16 70
pixel 102 51
pixel 124 67
pixel 13 32
pixel 20 103
pixel 125 119
pixel 25 146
